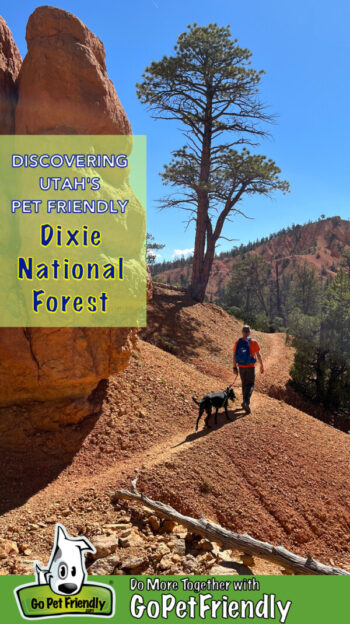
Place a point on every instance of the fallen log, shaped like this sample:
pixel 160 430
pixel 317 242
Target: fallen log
pixel 229 539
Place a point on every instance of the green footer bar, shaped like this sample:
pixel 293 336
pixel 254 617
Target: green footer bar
pixel 146 599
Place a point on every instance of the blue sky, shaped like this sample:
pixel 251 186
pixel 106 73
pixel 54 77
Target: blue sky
pixel 303 46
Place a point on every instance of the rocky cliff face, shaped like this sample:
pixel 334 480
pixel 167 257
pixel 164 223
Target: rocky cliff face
pixel 47 376
pixel 63 85
pixel 10 63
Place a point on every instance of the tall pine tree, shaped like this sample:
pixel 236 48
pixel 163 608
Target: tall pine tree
pixel 209 86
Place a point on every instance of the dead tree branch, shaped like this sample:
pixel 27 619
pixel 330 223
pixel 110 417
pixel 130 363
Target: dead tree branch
pixel 229 539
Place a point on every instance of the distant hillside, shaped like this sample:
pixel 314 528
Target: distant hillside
pixel 319 243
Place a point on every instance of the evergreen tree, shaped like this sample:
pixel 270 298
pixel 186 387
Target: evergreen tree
pixel 321 368
pixel 248 286
pixel 209 86
pixel 306 289
pixel 346 260
pixel 151 248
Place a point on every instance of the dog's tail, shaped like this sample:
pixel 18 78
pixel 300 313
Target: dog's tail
pixel 195 400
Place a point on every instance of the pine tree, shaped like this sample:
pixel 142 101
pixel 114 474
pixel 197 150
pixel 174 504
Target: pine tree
pixel 152 247
pixel 209 86
pixel 321 368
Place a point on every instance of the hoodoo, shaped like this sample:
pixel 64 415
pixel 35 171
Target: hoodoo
pixel 49 374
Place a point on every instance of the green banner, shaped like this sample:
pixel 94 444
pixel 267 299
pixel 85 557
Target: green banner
pixel 146 599
pixel 39 601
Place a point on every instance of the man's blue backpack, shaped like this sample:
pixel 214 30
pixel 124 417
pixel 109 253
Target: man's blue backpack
pixel 242 354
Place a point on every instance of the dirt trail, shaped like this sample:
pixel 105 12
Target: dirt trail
pixel 64 488
pixel 262 463
pixel 277 473
pixel 145 412
pixel 204 334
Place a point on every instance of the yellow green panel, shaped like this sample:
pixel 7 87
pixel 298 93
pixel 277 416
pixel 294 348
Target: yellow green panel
pixel 73 227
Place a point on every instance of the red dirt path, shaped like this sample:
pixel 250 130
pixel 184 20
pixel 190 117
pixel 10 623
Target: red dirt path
pixel 277 474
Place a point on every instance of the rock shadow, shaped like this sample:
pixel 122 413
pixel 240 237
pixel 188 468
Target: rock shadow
pixel 27 470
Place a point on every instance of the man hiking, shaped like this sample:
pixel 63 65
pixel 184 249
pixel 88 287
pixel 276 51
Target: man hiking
pixel 244 351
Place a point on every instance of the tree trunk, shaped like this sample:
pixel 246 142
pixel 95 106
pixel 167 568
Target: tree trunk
pixel 247 305
pixel 199 281
pixel 260 295
pixel 278 295
pixel 198 285
pixel 203 278
pixel 319 369
pixel 229 539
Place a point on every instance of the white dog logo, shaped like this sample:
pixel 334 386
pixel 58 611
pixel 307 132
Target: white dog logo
pixel 66 572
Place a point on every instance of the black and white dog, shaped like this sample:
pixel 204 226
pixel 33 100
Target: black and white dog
pixel 217 400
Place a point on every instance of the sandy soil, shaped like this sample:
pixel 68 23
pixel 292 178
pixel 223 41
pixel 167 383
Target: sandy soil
pixel 278 473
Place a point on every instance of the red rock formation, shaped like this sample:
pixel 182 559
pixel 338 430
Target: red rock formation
pixel 63 86
pixel 47 375
pixel 10 63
